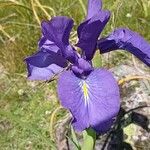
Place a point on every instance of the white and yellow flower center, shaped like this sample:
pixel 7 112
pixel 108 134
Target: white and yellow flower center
pixel 85 91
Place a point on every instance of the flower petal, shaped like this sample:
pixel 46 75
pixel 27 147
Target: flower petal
pixel 71 55
pixel 127 40
pixel 56 34
pixel 44 59
pixel 43 65
pixel 93 101
pixel 46 73
pixel 44 43
pixel 94 6
pixel 82 69
pixel 58 30
pixel 89 31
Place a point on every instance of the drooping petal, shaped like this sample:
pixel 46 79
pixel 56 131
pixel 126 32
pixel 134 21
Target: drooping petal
pixel 127 40
pixel 93 102
pixel 43 65
pixel 58 30
pixel 46 73
pixel 94 6
pixel 89 31
pixel 44 59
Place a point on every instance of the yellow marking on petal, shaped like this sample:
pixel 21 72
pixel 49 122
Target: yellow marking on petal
pixel 85 90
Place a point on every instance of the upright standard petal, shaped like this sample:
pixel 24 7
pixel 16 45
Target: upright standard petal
pixel 127 40
pixel 94 6
pixel 89 31
pixel 48 45
pixel 43 65
pixel 93 102
pixel 58 30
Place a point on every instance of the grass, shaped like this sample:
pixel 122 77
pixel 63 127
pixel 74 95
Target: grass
pixel 26 107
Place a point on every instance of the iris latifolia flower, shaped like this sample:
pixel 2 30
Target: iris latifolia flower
pixel 90 94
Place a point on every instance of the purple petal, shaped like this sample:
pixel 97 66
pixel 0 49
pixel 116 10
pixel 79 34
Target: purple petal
pixel 94 6
pixel 56 34
pixel 43 65
pixel 89 31
pixel 71 55
pixel 82 69
pixel 46 73
pixel 127 40
pixel 44 59
pixel 44 43
pixel 83 64
pixel 93 102
pixel 58 30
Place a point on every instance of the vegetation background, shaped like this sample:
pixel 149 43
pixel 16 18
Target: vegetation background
pixel 28 109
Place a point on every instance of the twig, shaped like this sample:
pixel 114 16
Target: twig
pixel 129 78
pixel 52 121
pixel 42 8
pixel 83 6
pixel 34 12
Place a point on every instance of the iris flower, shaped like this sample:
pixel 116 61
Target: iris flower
pixel 90 94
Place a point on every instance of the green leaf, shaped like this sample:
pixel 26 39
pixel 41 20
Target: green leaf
pixel 89 138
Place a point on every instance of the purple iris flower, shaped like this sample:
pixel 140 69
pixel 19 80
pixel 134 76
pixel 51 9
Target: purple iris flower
pixel 91 95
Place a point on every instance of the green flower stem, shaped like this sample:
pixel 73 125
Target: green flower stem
pixel 74 139
pixel 89 138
